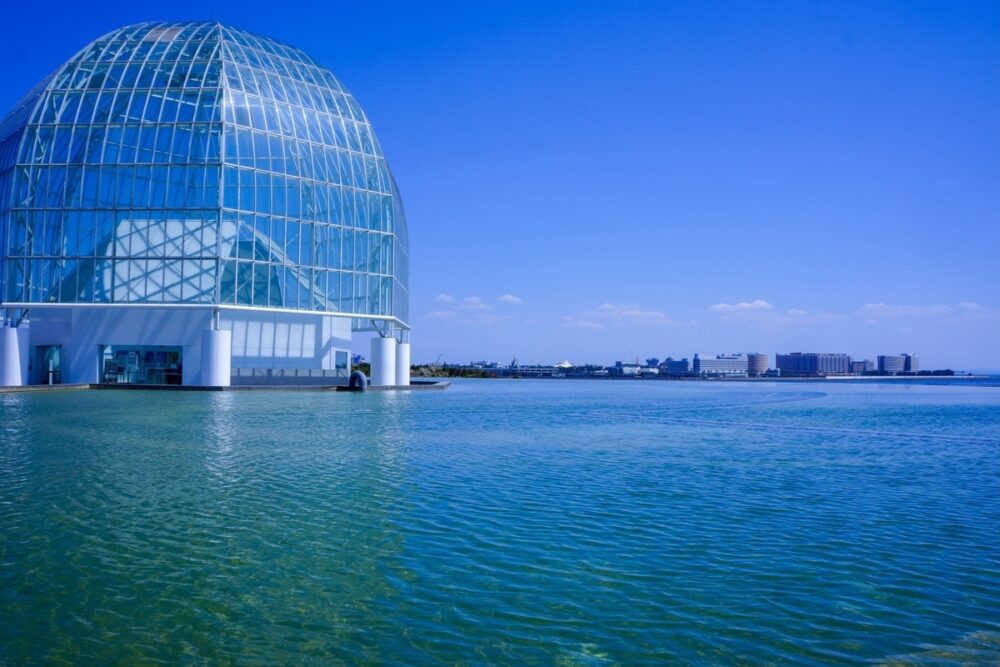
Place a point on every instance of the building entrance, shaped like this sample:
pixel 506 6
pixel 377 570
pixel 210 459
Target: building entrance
pixel 46 366
pixel 141 364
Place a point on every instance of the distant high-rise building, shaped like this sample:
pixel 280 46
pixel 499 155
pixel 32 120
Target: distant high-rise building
pixel 891 363
pixel 676 367
pixel 757 364
pixel 859 366
pixel 813 364
pixel 731 365
pixel 898 363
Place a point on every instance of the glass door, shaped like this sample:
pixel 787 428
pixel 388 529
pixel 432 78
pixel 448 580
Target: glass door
pixel 141 364
pixel 47 366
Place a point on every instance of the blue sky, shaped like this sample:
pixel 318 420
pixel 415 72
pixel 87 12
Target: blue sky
pixel 602 181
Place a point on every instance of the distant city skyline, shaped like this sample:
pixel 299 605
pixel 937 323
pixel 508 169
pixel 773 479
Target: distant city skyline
pixel 594 182
pixel 710 366
pixel 756 321
pixel 759 362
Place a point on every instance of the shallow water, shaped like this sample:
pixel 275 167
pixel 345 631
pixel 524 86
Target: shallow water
pixel 505 521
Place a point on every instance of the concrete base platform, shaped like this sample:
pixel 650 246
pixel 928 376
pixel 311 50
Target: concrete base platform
pixel 44 387
pixel 415 385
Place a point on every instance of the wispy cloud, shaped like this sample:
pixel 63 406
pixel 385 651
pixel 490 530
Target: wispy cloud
pixel 961 313
pixel 885 310
pixel 798 316
pixel 766 316
pixel 580 321
pixel 611 314
pixel 632 314
pixel 741 307
pixel 510 298
pixel 468 310
pixel 475 303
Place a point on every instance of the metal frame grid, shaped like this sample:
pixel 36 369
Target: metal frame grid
pixel 195 163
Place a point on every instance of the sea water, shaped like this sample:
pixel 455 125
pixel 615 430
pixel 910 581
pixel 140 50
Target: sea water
pixel 505 522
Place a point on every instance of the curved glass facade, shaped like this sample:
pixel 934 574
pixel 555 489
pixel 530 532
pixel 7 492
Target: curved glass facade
pixel 197 163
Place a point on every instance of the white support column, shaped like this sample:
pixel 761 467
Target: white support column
pixel 402 364
pixel 383 362
pixel 216 357
pixel 13 356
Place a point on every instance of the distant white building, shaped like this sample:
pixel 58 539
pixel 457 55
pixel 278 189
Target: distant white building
pixel 625 369
pixel 675 367
pixel 757 364
pixel 721 365
pixel 898 363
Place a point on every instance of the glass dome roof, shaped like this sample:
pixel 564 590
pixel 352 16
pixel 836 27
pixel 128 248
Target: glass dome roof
pixel 196 163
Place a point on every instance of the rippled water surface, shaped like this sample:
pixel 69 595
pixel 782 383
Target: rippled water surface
pixel 507 521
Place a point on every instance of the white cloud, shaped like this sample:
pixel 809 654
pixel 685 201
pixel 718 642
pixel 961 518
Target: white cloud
pixel 968 305
pixel 470 310
pixel 883 310
pixel 807 317
pixel 632 314
pixel 510 298
pixel 766 317
pixel 741 307
pixel 471 315
pixel 580 322
pixel 475 303
pixel 611 314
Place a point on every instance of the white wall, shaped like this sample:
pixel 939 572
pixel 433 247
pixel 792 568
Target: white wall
pixel 286 340
pixel 81 332
pixel 260 339
pixel 14 356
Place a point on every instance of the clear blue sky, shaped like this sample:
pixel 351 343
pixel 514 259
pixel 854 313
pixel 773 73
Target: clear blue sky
pixel 654 179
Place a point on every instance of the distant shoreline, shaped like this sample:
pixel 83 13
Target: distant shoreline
pixel 830 378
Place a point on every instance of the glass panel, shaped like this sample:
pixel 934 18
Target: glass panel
pixel 124 148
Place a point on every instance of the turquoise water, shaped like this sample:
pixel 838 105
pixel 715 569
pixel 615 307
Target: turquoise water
pixel 504 521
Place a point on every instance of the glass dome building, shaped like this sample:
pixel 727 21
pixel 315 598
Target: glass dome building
pixel 193 203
